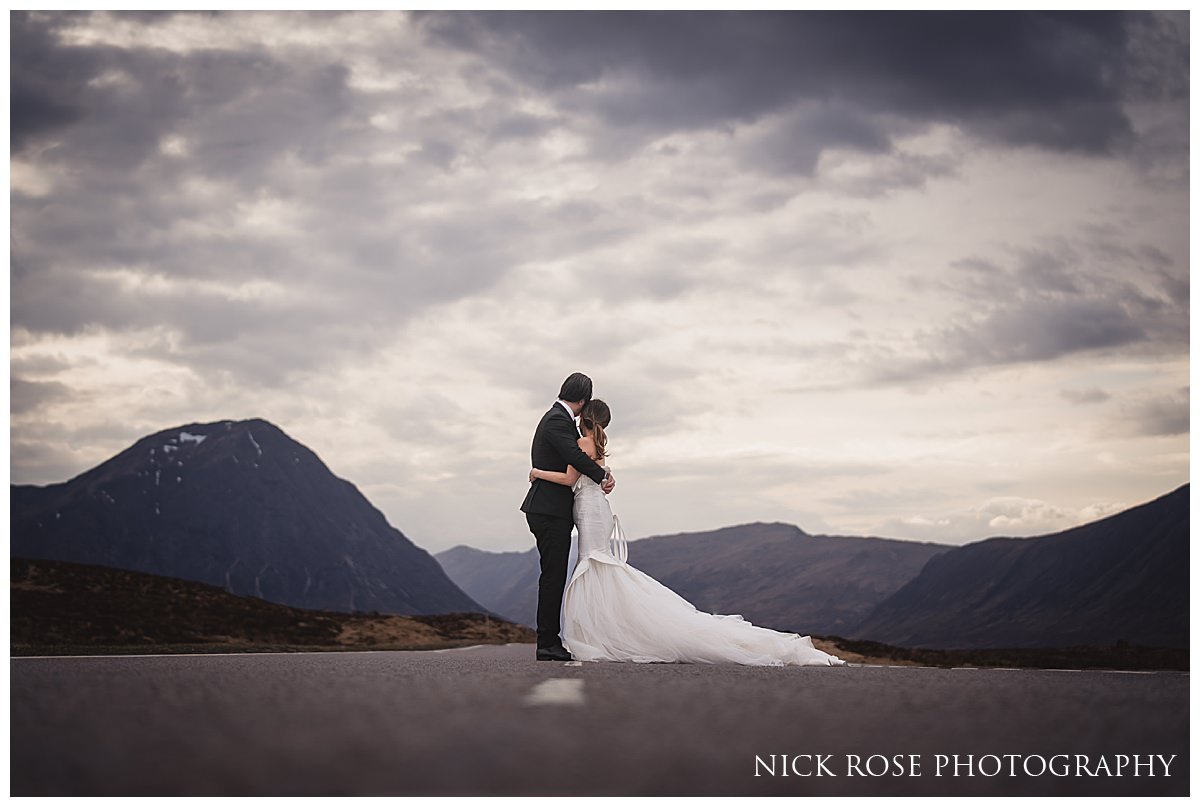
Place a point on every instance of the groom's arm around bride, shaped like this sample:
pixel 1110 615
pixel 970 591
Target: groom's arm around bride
pixel 555 447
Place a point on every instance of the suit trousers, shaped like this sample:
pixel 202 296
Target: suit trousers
pixel 553 536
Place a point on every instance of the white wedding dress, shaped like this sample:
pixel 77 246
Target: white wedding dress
pixel 614 612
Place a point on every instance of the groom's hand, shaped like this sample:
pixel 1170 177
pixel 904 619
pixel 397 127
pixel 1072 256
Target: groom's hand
pixel 610 482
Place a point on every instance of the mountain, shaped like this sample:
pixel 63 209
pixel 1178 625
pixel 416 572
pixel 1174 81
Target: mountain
pixel 504 582
pixel 1124 577
pixel 775 575
pixel 236 504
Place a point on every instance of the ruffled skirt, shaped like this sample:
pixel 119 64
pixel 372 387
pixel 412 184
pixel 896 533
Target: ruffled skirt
pixel 615 612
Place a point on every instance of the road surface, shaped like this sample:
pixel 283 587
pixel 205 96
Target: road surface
pixel 493 721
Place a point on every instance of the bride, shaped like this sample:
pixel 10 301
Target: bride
pixel 614 612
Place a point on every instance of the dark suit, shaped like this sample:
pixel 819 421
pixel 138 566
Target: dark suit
pixel 548 509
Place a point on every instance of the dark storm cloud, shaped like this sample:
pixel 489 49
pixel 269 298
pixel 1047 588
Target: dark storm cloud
pixel 900 171
pixel 39 364
pixel 243 108
pixel 1163 415
pixel 1044 270
pixel 1041 330
pixel 387 239
pixel 1158 56
pixel 1170 281
pixel 255 130
pixel 1055 301
pixel 1085 396
pixel 26 396
pixel 496 120
pixel 45 87
pixel 1054 80
pixel 795 145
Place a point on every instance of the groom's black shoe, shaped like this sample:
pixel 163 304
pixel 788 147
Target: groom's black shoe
pixel 553 654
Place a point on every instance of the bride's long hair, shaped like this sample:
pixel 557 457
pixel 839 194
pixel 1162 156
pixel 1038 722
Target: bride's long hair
pixel 595 417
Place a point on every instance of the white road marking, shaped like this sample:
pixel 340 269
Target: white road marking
pixel 573 664
pixel 556 692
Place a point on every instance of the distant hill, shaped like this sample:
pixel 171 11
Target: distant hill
pixel 236 504
pixel 503 582
pixel 1124 577
pixel 778 576
pixel 775 575
pixel 58 607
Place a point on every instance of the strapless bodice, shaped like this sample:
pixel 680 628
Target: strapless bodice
pixel 586 481
pixel 593 516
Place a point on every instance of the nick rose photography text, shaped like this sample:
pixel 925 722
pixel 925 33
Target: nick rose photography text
pixel 804 765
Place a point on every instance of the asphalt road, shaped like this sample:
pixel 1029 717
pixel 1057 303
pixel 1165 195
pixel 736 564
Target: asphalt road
pixel 491 720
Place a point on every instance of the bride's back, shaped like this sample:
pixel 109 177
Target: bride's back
pixel 593 516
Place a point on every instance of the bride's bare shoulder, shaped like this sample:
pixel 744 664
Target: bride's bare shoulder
pixel 588 445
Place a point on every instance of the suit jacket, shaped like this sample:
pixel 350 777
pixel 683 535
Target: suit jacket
pixel 555 447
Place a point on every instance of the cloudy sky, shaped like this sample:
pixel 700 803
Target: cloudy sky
pixel 922 276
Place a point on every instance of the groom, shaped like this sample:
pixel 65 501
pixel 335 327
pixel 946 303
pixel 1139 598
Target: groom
pixel 549 507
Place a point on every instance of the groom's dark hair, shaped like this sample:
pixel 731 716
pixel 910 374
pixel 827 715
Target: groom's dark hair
pixel 577 387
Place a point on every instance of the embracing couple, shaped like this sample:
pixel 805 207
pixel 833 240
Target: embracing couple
pixel 611 611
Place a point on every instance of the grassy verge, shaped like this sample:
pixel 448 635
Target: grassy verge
pixel 60 608
pixel 215 647
pixel 1116 657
